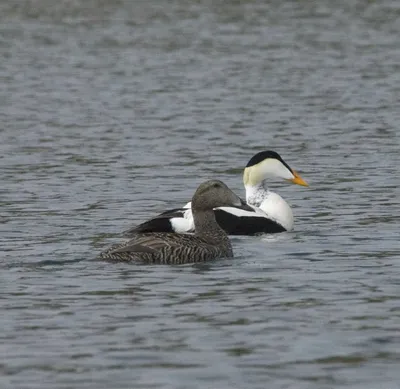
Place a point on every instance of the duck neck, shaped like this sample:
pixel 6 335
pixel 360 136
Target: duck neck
pixel 256 194
pixel 207 228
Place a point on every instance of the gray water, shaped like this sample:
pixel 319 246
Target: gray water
pixel 113 111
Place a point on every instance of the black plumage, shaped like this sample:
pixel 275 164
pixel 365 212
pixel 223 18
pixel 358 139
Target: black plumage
pixel 263 155
pixel 160 223
pixel 246 225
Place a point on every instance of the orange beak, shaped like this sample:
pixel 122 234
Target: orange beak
pixel 298 180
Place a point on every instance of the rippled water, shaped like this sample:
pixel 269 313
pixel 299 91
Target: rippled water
pixel 113 111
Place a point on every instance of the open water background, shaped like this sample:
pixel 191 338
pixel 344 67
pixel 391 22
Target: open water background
pixel 113 111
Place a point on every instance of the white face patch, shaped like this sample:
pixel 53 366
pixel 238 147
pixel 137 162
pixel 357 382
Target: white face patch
pixel 273 168
pixel 268 168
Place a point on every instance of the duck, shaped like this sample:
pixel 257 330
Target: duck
pixel 268 212
pixel 208 242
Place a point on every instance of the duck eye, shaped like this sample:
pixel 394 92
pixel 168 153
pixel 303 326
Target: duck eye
pixel 216 185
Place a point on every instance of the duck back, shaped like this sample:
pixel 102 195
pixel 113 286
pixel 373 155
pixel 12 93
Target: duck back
pixel 167 248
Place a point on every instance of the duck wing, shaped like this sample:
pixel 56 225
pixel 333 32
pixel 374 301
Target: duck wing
pixel 246 220
pixel 178 220
pixel 149 243
pixel 166 248
pixel 241 220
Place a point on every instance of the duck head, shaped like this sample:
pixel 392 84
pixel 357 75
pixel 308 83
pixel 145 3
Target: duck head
pixel 269 164
pixel 212 194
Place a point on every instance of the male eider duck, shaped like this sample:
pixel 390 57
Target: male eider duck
pixel 269 214
pixel 209 241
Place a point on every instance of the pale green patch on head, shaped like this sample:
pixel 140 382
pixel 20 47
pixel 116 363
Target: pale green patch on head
pixel 268 168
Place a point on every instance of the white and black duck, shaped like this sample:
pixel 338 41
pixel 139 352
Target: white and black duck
pixel 209 241
pixel 269 212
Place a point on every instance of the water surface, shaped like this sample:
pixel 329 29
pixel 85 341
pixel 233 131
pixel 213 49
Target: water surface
pixel 112 112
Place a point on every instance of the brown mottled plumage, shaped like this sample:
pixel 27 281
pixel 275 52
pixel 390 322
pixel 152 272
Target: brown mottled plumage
pixel 209 241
